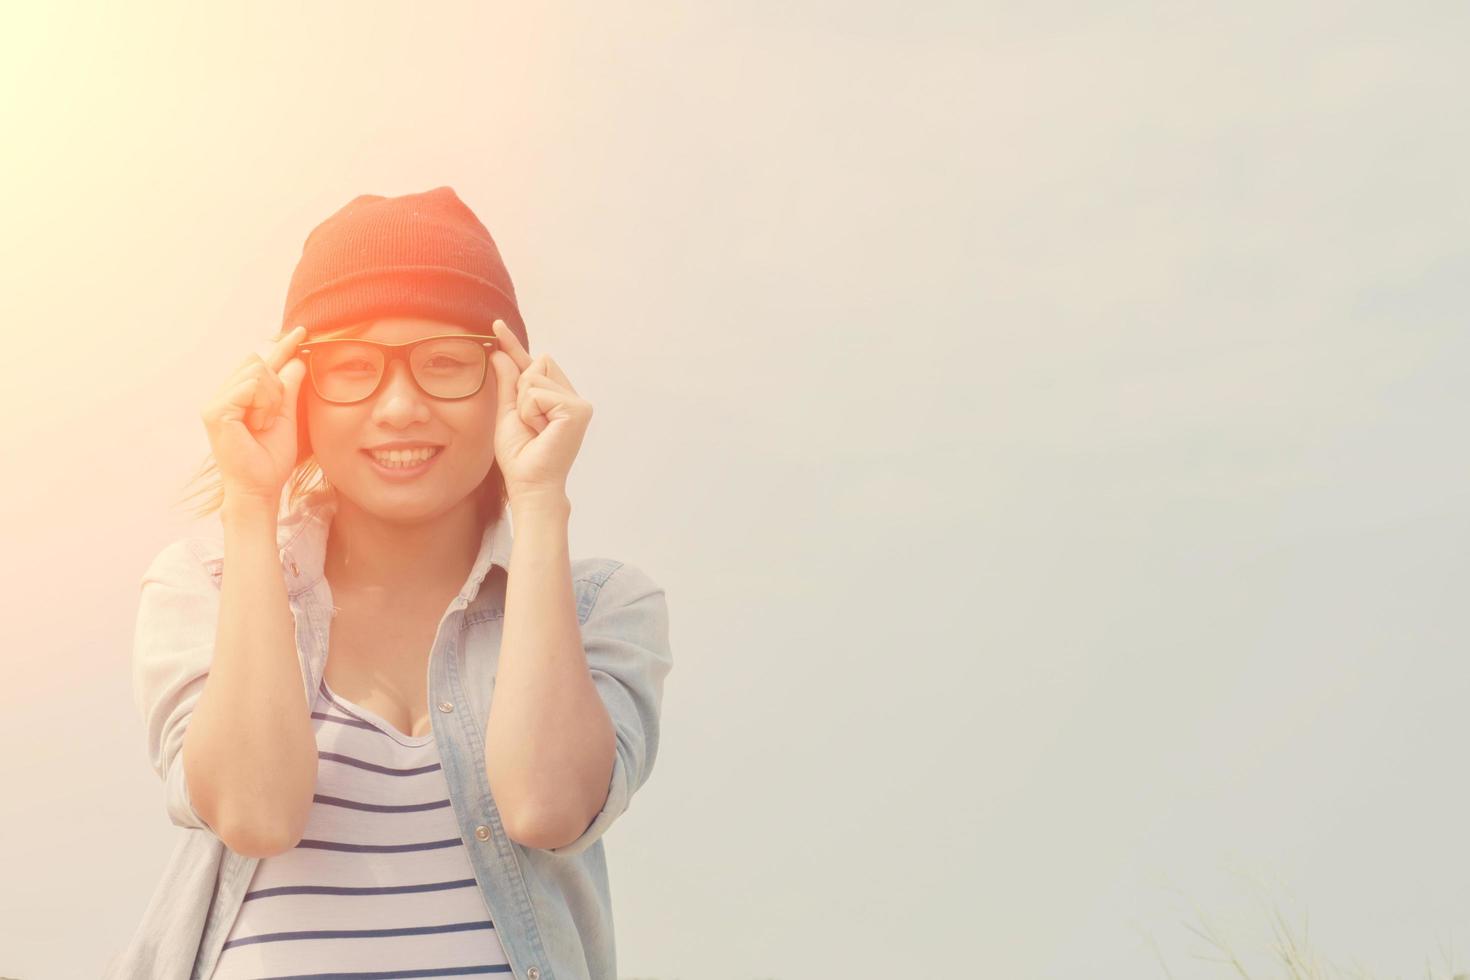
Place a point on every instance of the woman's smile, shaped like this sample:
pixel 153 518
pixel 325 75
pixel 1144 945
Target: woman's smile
pixel 401 464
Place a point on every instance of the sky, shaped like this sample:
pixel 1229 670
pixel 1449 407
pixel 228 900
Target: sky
pixel 1040 417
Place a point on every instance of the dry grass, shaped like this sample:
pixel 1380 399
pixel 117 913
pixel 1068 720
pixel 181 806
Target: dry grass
pixel 1291 955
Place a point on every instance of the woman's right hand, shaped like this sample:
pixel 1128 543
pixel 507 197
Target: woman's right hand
pixel 251 422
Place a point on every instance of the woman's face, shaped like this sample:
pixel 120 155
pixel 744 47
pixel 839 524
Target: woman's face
pixel 341 435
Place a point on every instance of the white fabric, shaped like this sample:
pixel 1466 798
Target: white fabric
pixel 371 890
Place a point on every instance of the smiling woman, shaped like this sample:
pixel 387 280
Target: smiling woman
pixel 404 383
pixel 408 811
pixel 454 276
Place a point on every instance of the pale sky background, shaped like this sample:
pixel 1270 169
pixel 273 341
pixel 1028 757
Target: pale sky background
pixel 1043 419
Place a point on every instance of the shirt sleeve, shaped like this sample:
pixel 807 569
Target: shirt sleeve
pixel 173 644
pixel 626 638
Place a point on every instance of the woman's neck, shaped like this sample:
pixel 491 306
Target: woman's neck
pixel 366 553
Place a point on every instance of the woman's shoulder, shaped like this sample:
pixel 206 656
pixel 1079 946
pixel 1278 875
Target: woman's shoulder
pixel 608 583
pixel 191 557
pixel 601 572
pixel 206 549
pixel 622 609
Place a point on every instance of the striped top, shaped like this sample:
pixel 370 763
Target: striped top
pixel 380 884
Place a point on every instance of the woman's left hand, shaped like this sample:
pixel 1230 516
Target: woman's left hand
pixel 539 420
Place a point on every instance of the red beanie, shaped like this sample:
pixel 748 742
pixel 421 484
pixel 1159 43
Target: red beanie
pixel 415 255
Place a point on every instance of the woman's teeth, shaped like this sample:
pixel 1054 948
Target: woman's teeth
pixel 404 457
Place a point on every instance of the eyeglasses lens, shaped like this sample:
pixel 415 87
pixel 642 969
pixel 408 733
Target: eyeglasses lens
pixel 450 367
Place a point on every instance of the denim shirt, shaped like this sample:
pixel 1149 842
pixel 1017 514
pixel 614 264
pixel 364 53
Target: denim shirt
pixel 551 907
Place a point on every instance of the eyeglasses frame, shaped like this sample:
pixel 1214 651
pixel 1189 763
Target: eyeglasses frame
pixel 395 352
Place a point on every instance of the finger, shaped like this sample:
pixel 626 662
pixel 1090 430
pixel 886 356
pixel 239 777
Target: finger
pixel 511 344
pixel 548 401
pixel 536 370
pixel 546 367
pixel 235 404
pixel 258 415
pixel 268 399
pixel 554 371
pixel 507 380
pixel 542 381
pixel 263 381
pixel 291 380
pixel 285 347
pixel 253 366
pixel 269 379
pixel 535 406
pixel 558 403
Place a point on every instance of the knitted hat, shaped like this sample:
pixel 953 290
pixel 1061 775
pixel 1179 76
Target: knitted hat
pixel 416 255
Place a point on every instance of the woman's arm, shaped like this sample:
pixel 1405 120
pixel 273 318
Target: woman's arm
pixel 250 752
pixel 549 742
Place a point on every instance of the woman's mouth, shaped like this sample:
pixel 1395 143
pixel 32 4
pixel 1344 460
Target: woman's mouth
pixel 403 463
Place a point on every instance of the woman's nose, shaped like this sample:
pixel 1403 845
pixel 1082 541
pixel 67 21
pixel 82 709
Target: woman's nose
pixel 399 397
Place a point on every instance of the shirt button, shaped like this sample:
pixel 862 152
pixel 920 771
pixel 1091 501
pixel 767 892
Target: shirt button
pixel 482 832
pixel 532 973
pixel 445 706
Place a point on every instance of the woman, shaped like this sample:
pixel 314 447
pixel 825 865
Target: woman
pixel 474 716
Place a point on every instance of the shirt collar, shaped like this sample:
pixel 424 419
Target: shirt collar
pixel 302 538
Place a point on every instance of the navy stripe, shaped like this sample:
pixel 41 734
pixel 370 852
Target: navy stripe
pixel 374 767
pixel 276 937
pixel 328 695
pixel 433 886
pixel 355 723
pixel 330 845
pixel 446 971
pixel 356 713
pixel 380 807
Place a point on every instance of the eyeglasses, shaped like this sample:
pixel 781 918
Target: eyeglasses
pixel 348 370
